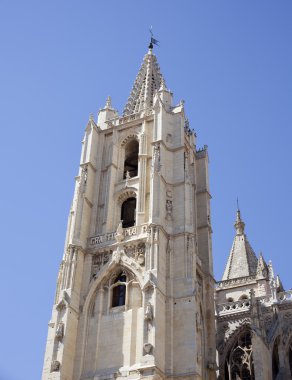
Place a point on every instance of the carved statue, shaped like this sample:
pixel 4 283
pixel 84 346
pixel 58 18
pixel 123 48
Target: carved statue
pixel 148 316
pixel 168 207
pixel 55 367
pixel 147 348
pixel 60 330
pixel 120 232
pixel 117 256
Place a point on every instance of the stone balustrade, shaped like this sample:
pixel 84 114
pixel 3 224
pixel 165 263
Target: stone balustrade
pixel 233 307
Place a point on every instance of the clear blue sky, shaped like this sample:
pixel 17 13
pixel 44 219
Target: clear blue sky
pixel 229 60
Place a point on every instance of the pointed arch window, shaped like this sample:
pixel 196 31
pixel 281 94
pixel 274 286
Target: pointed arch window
pixel 131 159
pixel 128 212
pixel 119 290
pixel 239 364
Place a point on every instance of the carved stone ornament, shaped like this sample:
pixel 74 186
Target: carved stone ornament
pixel 147 348
pixel 55 367
pixel 60 331
pixel 99 260
pixel 117 255
pixel 64 302
pixel 148 316
pixel 136 251
pixel 120 232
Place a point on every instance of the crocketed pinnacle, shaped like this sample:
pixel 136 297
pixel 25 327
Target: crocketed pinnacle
pixel 242 260
pixel 147 82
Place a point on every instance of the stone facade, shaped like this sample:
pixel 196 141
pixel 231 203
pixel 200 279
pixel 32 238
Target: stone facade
pixel 253 317
pixel 135 291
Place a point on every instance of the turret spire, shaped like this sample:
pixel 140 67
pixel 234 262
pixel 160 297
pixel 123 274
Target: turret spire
pixel 242 260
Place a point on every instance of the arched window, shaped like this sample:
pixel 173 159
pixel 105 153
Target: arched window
pixel 230 299
pixel 240 361
pixel 119 290
pixel 243 297
pixel 275 358
pixel 131 159
pixel 128 212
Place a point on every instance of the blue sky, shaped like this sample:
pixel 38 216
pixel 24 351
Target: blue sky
pixel 231 63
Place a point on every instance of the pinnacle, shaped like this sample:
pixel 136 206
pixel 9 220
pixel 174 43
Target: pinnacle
pixel 108 103
pixel 163 85
pixel 239 224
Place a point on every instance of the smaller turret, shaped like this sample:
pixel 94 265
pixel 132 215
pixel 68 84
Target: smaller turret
pixel 106 113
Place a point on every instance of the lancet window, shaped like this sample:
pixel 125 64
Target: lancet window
pixel 119 290
pixel 239 364
pixel 128 212
pixel 131 159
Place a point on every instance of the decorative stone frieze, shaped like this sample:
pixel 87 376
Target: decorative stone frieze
pixel 99 260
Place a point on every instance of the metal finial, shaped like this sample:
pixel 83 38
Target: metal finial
pixel 153 41
pixel 237 204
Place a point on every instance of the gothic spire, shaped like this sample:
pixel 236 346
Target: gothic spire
pixel 147 82
pixel 242 260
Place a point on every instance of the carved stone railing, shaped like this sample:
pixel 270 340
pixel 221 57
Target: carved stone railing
pixel 103 240
pixel 233 307
pixel 235 281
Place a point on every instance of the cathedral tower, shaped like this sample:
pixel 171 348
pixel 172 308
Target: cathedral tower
pixel 135 288
pixel 254 317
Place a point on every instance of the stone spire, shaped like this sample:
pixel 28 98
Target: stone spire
pixel 242 260
pixel 148 81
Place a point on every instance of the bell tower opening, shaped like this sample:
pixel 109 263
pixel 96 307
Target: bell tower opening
pixel 128 212
pixel 131 159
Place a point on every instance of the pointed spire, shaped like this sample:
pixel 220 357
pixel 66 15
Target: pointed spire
pixel 147 82
pixel 262 268
pixel 239 224
pixel 108 103
pixel 280 287
pixel 242 261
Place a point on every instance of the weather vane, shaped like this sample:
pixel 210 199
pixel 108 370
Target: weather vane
pixel 153 41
